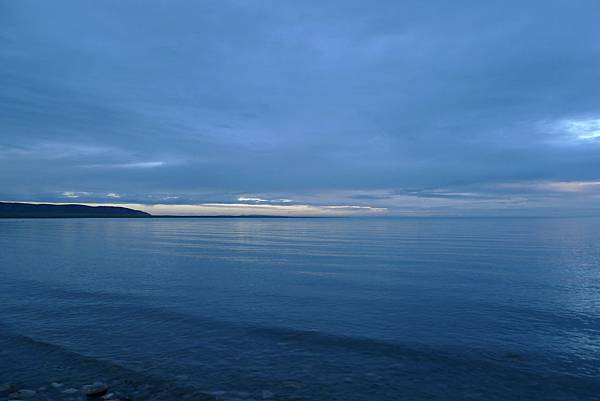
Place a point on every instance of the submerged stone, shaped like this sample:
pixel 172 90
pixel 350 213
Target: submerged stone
pixel 95 390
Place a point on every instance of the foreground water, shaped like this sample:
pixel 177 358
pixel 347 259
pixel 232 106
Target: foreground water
pixel 292 309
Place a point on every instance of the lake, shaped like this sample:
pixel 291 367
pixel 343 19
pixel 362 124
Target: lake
pixel 306 309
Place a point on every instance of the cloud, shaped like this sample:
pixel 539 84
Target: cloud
pixel 583 129
pixel 113 195
pixel 48 150
pixel 246 199
pixel 354 207
pixel 73 195
pixel 555 186
pixel 133 165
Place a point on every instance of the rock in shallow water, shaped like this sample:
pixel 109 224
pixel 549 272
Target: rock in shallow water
pixel 95 390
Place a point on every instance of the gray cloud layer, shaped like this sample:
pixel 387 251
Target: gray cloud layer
pixel 439 107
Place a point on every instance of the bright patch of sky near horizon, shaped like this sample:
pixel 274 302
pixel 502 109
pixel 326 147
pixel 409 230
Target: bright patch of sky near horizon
pixel 322 108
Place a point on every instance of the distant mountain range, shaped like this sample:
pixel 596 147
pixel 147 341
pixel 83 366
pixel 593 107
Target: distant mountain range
pixel 31 210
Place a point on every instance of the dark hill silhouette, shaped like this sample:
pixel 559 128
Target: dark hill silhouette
pixel 30 210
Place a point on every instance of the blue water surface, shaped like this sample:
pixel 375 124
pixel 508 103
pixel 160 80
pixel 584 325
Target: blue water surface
pixel 329 309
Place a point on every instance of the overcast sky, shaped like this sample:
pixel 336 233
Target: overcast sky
pixel 303 107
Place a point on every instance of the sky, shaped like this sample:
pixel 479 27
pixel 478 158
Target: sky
pixel 337 107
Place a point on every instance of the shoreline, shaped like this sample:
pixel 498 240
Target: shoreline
pixel 33 370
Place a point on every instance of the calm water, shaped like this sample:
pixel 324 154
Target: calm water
pixel 327 309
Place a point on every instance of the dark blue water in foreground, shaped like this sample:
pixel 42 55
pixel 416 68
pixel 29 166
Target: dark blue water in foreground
pixel 327 309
